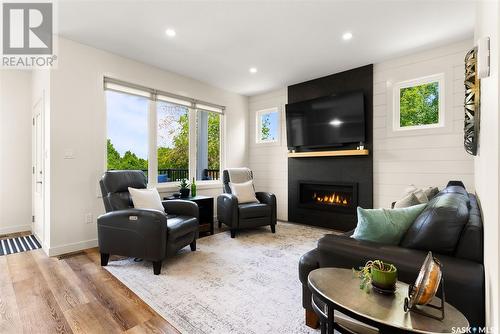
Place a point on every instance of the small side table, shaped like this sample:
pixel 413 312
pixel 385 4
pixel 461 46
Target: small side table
pixel 335 289
pixel 206 207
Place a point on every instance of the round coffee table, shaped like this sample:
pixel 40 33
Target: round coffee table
pixel 335 289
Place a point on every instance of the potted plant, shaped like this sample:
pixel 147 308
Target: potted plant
pixel 381 275
pixel 184 188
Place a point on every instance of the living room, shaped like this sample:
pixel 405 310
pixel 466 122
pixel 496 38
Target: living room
pixel 162 98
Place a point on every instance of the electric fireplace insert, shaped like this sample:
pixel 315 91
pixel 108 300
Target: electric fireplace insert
pixel 332 196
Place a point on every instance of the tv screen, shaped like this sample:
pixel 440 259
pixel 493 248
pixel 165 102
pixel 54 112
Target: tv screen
pixel 326 121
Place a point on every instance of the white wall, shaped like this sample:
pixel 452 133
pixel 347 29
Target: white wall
pixel 269 161
pixel 15 151
pixel 487 160
pixel 422 157
pixel 429 157
pixel 78 123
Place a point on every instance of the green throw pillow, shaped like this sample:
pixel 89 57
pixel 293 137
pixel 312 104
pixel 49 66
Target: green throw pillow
pixel 385 226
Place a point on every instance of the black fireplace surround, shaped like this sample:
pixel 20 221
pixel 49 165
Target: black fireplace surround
pixel 349 177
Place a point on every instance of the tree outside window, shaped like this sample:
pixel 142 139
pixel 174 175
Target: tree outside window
pixel 128 139
pixel 268 126
pixel 127 142
pixel 419 103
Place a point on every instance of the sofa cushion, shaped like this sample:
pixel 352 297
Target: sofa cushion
pixel 245 192
pixel 430 192
pixel 455 190
pixel 420 195
pixel 254 210
pixel 385 225
pixel 146 199
pixel 470 246
pixel 439 226
pixel 408 200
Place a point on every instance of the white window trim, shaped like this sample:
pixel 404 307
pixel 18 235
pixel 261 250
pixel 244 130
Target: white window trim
pixel 258 126
pixel 440 78
pixel 193 107
pixel 153 171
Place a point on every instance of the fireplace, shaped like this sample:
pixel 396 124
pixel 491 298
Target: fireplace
pixel 331 196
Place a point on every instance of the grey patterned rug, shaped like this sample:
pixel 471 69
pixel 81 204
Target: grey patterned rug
pixel 245 285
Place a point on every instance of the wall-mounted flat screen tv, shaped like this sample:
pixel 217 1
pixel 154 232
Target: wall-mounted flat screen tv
pixel 328 121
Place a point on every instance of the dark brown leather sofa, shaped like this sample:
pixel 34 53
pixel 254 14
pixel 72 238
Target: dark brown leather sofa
pixel 456 211
pixel 147 234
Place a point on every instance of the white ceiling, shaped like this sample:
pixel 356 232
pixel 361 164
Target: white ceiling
pixel 289 42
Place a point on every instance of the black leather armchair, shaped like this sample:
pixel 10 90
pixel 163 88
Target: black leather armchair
pixel 238 216
pixel 148 234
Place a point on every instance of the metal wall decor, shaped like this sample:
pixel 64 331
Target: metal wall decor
pixel 471 103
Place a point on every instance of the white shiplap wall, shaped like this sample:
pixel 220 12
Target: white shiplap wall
pixel 269 161
pixel 428 157
pixel 420 157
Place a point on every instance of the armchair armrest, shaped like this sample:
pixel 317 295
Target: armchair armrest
pixel 269 199
pixel 133 232
pixel 265 197
pixel 181 208
pixel 227 210
pixel 307 263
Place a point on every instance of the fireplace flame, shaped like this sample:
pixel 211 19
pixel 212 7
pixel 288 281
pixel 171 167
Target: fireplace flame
pixel 332 199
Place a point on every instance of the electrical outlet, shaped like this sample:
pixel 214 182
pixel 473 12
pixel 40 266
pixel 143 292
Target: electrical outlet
pixel 89 219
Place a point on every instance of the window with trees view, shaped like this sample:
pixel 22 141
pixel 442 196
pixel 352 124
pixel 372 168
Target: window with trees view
pixel 172 141
pixel 268 126
pixel 127 119
pixel 419 103
pixel 178 154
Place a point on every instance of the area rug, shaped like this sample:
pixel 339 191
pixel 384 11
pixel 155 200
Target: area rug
pixel 245 285
pixel 18 244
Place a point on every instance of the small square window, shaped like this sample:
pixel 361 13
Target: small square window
pixel 268 126
pixel 419 103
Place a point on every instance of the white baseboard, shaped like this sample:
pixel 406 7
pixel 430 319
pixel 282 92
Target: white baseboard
pixel 74 247
pixel 15 229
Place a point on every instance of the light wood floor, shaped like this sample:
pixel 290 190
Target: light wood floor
pixel 75 294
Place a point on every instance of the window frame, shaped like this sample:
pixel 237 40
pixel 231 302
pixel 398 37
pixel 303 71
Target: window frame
pixel 153 171
pixel 193 107
pixel 258 126
pixel 195 146
pixel 440 79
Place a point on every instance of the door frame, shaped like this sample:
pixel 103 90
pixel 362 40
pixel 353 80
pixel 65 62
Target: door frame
pixel 38 110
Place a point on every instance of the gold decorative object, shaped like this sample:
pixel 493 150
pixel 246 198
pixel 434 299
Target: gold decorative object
pixel 425 288
pixel 471 102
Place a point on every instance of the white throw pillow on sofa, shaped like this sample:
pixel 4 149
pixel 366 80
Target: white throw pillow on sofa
pixel 146 199
pixel 244 191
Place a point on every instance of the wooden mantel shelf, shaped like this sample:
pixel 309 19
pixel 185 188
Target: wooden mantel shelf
pixel 340 153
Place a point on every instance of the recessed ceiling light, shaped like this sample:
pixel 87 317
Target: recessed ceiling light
pixel 170 32
pixel 252 70
pixel 347 36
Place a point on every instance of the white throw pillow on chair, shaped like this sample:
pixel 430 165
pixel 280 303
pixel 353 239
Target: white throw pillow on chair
pixel 146 199
pixel 244 191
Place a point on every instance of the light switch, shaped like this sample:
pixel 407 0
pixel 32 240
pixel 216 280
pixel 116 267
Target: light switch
pixel 69 153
